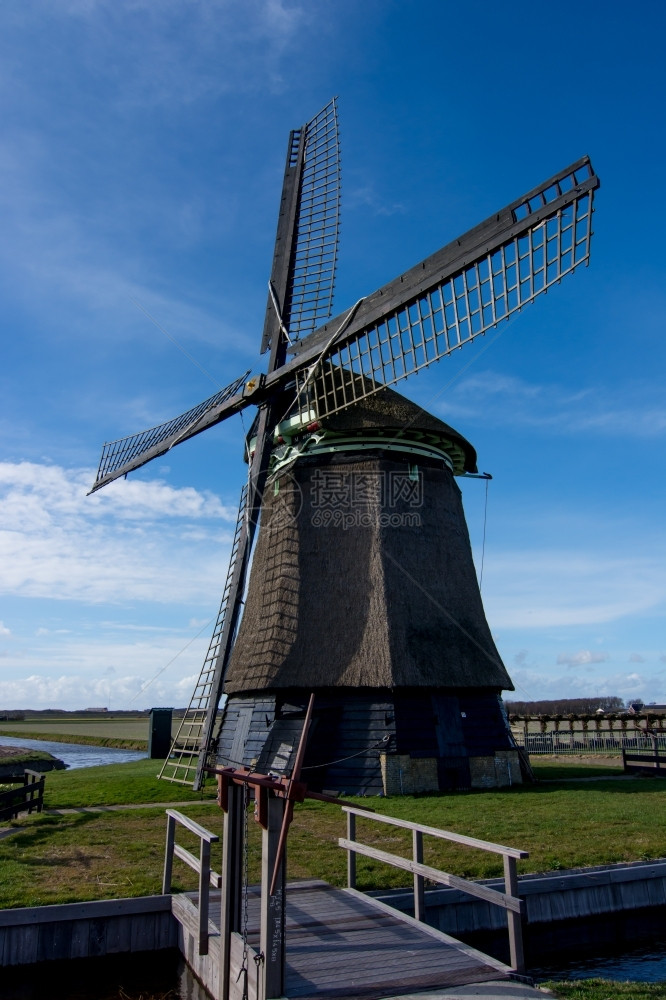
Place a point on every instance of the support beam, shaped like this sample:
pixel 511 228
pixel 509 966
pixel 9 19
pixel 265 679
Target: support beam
pixel 272 942
pixel 232 876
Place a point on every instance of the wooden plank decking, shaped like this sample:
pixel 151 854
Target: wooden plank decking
pixel 342 944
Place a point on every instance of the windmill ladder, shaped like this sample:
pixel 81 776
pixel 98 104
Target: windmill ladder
pixel 180 765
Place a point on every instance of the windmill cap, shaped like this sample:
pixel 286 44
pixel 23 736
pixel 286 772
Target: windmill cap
pixel 384 416
pixel 388 411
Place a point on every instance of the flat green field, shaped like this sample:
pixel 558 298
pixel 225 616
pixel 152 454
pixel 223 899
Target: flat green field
pixel 81 855
pixel 123 729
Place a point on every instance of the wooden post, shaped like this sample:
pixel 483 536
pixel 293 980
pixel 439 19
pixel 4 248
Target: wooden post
pixel 204 894
pixel 168 854
pixel 232 874
pixel 419 881
pixel 351 855
pixel 271 939
pixel 514 920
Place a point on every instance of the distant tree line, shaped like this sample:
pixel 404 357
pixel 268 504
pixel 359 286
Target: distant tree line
pixel 565 706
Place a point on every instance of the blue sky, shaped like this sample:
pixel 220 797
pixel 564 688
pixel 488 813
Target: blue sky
pixel 141 158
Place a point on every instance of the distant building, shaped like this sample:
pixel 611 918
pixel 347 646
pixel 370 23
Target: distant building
pixel 96 710
pixel 638 708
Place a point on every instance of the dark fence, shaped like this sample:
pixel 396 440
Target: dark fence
pixel 28 797
pixel 575 741
pixel 653 762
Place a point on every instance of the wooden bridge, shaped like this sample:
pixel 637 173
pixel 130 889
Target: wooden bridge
pixel 315 942
pixel 341 945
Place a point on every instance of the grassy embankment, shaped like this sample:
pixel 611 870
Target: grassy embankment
pixel 123 734
pixel 93 855
pixel 606 989
pixel 24 759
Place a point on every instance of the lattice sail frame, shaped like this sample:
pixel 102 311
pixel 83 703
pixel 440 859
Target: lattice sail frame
pixel 314 256
pixel 465 304
pixel 158 440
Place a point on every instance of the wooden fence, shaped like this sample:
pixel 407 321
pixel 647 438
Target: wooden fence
pixel 28 797
pixel 652 763
pixel 201 865
pixel 515 907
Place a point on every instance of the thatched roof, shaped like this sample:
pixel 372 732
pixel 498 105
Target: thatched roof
pixel 394 414
pixel 378 604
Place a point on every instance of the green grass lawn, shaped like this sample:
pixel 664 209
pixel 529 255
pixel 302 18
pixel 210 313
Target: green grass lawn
pixel 90 855
pixel 117 784
pixel 606 989
pixel 556 768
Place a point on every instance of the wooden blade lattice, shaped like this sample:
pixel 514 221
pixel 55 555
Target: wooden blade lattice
pixel 451 306
pixel 129 453
pixel 312 278
pixel 181 764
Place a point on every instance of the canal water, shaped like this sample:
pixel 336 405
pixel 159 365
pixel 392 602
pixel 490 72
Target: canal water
pixel 159 976
pixel 76 754
pixel 645 964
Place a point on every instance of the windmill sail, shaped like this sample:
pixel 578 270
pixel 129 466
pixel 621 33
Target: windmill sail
pixel 451 298
pixel 129 453
pixel 311 285
pixel 181 764
pixel 306 246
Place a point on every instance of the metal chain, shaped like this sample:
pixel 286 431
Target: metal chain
pixel 243 969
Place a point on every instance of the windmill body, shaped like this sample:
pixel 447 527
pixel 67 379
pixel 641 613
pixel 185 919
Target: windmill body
pixel 363 590
pixel 362 586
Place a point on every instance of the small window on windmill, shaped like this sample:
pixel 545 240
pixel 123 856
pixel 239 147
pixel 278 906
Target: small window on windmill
pixel 276 487
pixel 414 472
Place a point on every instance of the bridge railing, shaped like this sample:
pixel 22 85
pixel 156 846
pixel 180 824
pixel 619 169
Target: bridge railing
pixel 201 865
pixel 508 900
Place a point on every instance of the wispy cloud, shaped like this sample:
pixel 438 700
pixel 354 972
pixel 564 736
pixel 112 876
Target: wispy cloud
pixel 510 401
pixel 533 683
pixel 582 657
pixel 134 541
pixel 171 53
pixel 368 197
pixel 547 588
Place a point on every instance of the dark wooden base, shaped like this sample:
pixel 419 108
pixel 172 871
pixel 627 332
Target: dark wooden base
pixel 375 741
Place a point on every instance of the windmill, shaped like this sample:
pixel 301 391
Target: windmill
pixel 388 629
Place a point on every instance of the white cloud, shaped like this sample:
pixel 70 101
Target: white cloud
pixel 533 684
pixel 582 657
pixel 133 541
pixel 636 658
pixel 78 670
pixel 4 630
